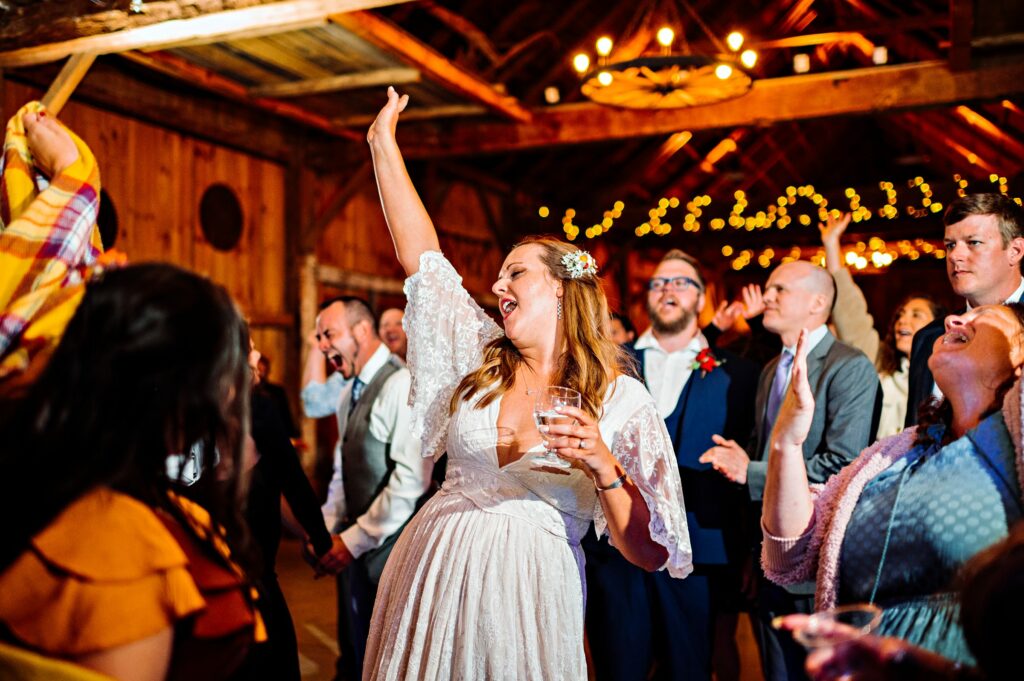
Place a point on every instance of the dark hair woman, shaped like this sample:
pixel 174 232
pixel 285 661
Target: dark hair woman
pixel 104 560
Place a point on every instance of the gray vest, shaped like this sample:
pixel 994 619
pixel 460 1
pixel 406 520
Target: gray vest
pixel 365 461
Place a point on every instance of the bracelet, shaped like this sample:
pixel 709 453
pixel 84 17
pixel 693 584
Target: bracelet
pixel 618 482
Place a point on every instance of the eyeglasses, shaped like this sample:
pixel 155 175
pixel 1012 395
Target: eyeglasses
pixel 658 284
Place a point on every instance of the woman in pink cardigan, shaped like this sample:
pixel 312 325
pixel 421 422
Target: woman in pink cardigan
pixel 895 526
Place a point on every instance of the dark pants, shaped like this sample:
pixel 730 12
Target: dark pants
pixel 356 594
pixel 278 657
pixel 636 619
pixel 782 658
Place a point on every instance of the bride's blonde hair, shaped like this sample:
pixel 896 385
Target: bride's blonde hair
pixel 590 360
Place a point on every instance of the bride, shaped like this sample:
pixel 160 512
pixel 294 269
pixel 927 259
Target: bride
pixel 487 581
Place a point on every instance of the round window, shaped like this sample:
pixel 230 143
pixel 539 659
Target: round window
pixel 220 217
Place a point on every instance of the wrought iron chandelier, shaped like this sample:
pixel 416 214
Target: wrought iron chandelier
pixel 654 67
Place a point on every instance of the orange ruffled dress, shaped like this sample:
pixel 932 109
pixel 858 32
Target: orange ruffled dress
pixel 110 570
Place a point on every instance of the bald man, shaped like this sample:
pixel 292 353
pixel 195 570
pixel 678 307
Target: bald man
pixel 848 401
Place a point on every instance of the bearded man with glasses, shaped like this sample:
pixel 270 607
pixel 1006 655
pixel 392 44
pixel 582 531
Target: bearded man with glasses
pixel 636 620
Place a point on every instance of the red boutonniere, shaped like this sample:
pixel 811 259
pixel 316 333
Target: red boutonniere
pixel 706 362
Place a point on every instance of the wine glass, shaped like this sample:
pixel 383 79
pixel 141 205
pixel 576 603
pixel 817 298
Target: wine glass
pixel 838 625
pixel 545 414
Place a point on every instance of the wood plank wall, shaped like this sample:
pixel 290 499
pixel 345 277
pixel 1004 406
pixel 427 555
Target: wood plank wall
pixel 155 179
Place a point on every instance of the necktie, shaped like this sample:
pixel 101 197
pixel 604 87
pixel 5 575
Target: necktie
pixel 778 392
pixel 357 391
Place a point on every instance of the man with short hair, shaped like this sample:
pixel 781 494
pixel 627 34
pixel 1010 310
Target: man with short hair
pixel 848 402
pixel 984 242
pixel 378 470
pixel 635 618
pixel 391 331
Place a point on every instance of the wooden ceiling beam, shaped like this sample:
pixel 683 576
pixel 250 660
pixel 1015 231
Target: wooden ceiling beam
pixel 182 69
pixel 415 114
pixel 433 65
pixel 346 81
pixel 820 95
pixel 267 19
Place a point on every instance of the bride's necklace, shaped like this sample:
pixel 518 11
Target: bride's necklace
pixel 530 392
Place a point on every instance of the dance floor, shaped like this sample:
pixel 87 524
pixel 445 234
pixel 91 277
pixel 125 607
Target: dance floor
pixel 313 609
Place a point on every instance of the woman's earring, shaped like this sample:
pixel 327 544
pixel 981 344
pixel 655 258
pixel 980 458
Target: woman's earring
pixel 559 308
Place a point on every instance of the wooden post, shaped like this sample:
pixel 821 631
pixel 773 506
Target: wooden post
pixel 66 81
pixel 307 318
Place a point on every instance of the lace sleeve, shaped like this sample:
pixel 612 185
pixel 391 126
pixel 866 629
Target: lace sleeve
pixel 644 449
pixel 447 331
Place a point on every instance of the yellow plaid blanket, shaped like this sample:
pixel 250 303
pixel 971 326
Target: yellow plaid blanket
pixel 49 242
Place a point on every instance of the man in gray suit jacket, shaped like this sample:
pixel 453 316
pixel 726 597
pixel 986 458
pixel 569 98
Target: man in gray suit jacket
pixel 848 401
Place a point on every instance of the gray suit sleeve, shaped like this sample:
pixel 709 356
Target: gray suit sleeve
pixel 851 418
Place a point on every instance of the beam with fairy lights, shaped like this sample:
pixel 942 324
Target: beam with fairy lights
pixel 801 204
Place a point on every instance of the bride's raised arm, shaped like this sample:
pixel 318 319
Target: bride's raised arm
pixel 411 228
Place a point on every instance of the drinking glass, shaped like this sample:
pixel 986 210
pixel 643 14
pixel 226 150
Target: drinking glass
pixel 544 414
pixel 838 625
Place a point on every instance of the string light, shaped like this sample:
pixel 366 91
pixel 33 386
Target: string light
pixel 782 213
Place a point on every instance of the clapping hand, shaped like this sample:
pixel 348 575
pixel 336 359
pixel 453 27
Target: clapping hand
pixel 728 458
pixel 751 306
pixel 753 301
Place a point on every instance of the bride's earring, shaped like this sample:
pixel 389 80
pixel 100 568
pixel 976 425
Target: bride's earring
pixel 559 308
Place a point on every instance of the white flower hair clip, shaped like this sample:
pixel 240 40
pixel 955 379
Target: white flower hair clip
pixel 579 263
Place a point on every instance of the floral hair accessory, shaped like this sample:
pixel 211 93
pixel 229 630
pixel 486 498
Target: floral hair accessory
pixel 706 362
pixel 579 263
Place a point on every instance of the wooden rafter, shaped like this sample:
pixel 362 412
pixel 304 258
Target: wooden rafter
pixel 347 81
pixel 938 138
pixel 821 95
pixel 183 69
pixel 1009 144
pixel 275 17
pixel 430 63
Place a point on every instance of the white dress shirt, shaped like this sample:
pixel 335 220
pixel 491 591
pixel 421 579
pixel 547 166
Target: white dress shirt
pixel 390 419
pixel 666 373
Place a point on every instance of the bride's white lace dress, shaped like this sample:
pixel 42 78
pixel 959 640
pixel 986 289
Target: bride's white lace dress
pixel 487 580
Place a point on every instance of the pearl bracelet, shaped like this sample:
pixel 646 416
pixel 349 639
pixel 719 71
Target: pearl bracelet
pixel 618 482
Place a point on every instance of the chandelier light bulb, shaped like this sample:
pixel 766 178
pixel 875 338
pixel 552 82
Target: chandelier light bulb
pixel 723 71
pixel 665 36
pixel 801 63
pixel 581 62
pixel 748 58
pixel 603 46
pixel 734 40
pixel 604 78
pixel 880 55
pixel 552 95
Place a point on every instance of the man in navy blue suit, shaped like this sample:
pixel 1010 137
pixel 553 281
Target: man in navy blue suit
pixel 637 619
